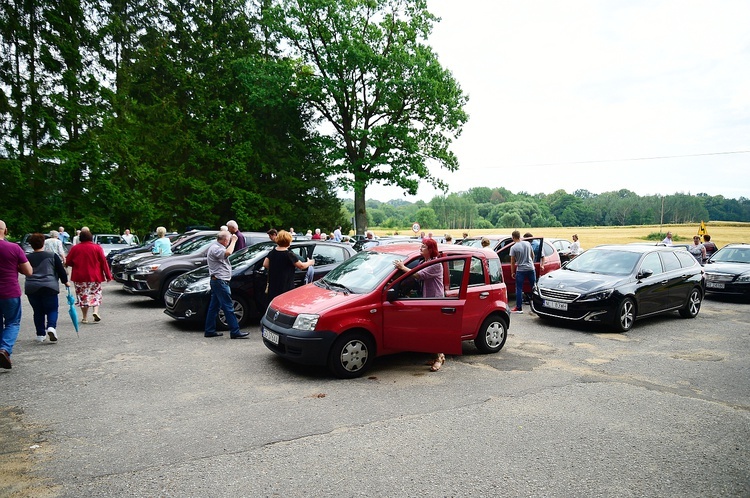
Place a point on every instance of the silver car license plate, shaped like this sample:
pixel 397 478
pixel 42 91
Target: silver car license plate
pixel 555 305
pixel 271 337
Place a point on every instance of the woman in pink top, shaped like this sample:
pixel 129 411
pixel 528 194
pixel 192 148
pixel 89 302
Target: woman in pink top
pixel 432 283
pixel 90 269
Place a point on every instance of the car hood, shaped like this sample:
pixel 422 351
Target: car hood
pixel 312 298
pixel 727 268
pixel 579 282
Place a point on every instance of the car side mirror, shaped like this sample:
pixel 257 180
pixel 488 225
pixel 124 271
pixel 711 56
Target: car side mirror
pixel 392 294
pixel 645 273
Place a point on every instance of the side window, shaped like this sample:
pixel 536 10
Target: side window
pixel 300 252
pixel 456 272
pixel 686 259
pixel 652 262
pixel 548 249
pixel 476 272
pixel 327 255
pixel 670 261
pixel 504 254
pixel 496 272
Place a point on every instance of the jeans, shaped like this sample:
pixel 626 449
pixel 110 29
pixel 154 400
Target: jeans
pixel 10 309
pixel 221 299
pixel 45 308
pixel 522 275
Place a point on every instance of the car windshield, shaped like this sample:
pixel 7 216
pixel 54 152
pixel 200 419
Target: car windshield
pixel 362 273
pixel 605 261
pixel 194 244
pixel 732 255
pixel 249 254
pixel 472 242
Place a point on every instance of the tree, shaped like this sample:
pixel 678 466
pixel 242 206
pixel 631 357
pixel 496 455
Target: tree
pixel 365 70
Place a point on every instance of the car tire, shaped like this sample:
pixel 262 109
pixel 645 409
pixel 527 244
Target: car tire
pixel 492 334
pixel 351 355
pixel 241 310
pixel 625 315
pixel 693 304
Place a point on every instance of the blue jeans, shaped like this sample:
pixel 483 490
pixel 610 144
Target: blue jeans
pixel 45 308
pixel 10 309
pixel 221 299
pixel 529 275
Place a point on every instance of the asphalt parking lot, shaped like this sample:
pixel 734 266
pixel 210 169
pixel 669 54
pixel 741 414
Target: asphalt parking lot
pixel 139 405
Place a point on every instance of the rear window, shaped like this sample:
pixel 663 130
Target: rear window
pixel 670 261
pixel 328 255
pixel 686 259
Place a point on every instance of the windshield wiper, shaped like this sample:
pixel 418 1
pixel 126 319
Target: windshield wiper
pixel 323 284
pixel 346 289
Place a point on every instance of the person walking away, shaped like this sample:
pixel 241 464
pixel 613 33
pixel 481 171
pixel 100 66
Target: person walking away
pixel 162 245
pixel 90 269
pixel 234 229
pixel 521 267
pixel 710 246
pixel 698 250
pixel 281 264
pixel 220 271
pixel 12 262
pixel 54 245
pixel 43 286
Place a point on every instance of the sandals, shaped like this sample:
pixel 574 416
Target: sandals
pixel 437 363
pixel 83 320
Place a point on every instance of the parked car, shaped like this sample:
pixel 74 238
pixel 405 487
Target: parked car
pixel 728 271
pixel 617 284
pixel 501 244
pixel 382 241
pixel 24 243
pixel 110 241
pixel 121 260
pixel 562 246
pixel 144 246
pixel 151 276
pixel 366 308
pixel 189 295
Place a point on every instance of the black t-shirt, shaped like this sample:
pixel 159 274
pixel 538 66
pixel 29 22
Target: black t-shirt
pixel 280 272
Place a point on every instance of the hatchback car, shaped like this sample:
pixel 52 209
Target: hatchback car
pixel 617 284
pixel 728 271
pixel 110 241
pixel 189 295
pixel 501 244
pixel 366 308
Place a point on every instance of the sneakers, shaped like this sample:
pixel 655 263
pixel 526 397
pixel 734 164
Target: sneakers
pixel 97 318
pixel 516 310
pixel 41 338
pixel 52 333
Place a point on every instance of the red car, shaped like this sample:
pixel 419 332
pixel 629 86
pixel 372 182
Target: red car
pixel 501 244
pixel 366 308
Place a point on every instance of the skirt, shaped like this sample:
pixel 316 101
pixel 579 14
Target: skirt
pixel 88 293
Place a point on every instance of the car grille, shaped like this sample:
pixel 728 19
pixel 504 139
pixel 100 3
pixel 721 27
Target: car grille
pixel 558 295
pixel 719 277
pixel 278 318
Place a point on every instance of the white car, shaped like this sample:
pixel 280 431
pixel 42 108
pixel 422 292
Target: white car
pixel 110 241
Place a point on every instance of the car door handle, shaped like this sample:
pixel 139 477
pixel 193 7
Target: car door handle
pixel 664 282
pixel 448 310
pixel 484 295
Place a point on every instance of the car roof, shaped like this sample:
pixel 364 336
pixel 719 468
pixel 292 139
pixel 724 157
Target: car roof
pixel 639 248
pixel 408 250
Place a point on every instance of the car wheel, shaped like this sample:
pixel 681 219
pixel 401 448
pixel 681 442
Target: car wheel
pixel 625 315
pixel 492 335
pixel 241 311
pixel 351 355
pixel 693 304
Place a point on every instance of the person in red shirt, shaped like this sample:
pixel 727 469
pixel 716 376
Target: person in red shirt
pixel 90 269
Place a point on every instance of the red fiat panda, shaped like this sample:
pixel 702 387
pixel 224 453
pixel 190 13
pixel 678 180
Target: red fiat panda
pixel 366 307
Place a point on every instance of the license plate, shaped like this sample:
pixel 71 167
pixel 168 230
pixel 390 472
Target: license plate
pixel 169 300
pixel 714 285
pixel 271 337
pixel 555 305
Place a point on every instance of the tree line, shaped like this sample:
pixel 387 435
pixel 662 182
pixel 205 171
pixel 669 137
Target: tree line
pixel 138 113
pixel 486 208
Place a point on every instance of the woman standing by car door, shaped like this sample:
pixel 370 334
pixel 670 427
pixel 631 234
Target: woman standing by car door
pixel 281 263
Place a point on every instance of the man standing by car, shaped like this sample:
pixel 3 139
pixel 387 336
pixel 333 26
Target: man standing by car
pixel 12 262
pixel 521 267
pixel 234 229
pixel 220 270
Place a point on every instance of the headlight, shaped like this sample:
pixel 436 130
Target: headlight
pixel 305 322
pixel 597 296
pixel 203 285
pixel 744 278
pixel 148 269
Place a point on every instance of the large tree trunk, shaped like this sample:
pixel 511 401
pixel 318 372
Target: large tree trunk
pixel 360 210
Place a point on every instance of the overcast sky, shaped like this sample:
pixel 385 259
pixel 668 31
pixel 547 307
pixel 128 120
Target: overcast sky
pixel 651 96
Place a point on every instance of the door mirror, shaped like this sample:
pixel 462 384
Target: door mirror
pixel 392 294
pixel 645 273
